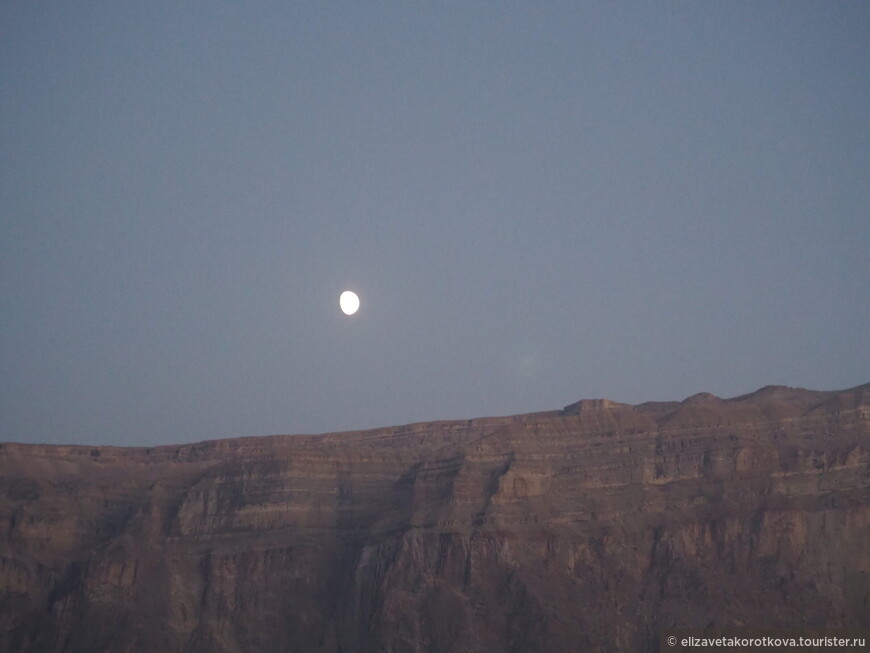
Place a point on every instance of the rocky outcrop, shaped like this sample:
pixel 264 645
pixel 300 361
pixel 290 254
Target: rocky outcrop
pixel 585 529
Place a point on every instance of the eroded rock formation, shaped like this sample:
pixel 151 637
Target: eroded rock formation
pixel 586 529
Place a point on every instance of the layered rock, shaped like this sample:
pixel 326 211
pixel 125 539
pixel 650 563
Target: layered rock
pixel 585 529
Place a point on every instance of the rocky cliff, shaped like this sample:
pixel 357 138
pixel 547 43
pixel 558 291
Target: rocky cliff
pixel 585 529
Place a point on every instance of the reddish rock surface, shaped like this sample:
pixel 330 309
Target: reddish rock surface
pixel 586 529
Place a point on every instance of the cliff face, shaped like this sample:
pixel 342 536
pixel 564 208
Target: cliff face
pixel 586 529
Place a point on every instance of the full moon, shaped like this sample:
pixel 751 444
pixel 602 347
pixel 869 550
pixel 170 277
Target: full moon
pixel 349 302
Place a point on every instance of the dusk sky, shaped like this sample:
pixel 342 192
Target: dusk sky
pixel 536 202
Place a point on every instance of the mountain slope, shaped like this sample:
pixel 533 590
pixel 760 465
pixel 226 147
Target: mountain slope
pixel 585 529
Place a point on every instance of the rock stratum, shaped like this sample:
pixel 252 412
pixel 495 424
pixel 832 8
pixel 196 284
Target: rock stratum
pixel 585 529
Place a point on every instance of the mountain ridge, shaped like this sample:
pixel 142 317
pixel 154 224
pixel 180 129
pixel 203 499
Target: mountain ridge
pixel 861 391
pixel 589 528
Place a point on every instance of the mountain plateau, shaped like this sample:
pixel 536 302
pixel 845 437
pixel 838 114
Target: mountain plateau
pixel 590 528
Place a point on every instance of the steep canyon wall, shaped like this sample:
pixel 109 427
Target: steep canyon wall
pixel 585 529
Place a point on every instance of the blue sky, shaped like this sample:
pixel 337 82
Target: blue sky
pixel 536 202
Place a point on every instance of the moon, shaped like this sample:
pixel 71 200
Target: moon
pixel 349 302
